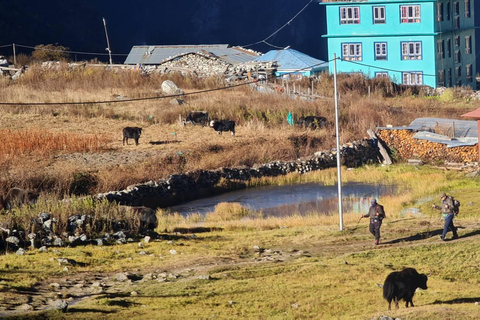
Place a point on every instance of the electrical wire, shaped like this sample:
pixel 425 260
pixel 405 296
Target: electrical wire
pixel 146 98
pixel 278 30
pixel 67 51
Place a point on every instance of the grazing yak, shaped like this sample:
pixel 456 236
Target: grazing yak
pixel 312 122
pixel 402 285
pixel 131 133
pixel 197 117
pixel 223 125
pixel 18 197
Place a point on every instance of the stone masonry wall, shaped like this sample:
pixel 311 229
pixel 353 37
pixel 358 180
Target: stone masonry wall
pixel 192 185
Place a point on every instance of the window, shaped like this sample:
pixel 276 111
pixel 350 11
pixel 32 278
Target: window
pixel 349 15
pixel 379 15
pixel 468 45
pixel 458 72
pixel 352 51
pixel 456 8
pixel 457 56
pixel 440 11
pixel 412 78
pixel 410 14
pixel 457 41
pixel 447 5
pixel 411 50
pixel 380 51
pixel 441 78
pixel 440 49
pixel 467 8
pixel 456 22
pixel 381 74
pixel 449 77
pixel 469 70
pixel 449 48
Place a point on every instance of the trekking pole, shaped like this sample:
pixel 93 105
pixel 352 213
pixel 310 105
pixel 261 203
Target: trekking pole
pixel 358 222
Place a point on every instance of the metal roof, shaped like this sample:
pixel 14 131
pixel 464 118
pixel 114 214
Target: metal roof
pixel 456 132
pixel 292 60
pixel 160 54
pixel 472 114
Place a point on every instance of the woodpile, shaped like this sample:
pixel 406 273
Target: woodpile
pixel 403 146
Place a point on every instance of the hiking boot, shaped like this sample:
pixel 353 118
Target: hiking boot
pixel 377 242
pixel 442 238
pixel 455 236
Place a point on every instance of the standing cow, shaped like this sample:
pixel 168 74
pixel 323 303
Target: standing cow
pixel 402 285
pixel 312 122
pixel 197 117
pixel 223 126
pixel 131 133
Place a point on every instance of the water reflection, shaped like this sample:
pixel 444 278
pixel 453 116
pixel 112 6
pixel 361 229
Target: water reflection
pixel 300 199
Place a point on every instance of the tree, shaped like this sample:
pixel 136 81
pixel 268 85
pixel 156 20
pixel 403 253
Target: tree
pixel 50 52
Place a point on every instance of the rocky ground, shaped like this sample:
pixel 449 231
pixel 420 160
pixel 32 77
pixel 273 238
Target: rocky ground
pixel 66 291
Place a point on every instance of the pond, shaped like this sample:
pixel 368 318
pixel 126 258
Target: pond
pixel 300 199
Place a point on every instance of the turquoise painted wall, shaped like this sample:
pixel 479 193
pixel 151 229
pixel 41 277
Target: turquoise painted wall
pixel 393 65
pixel 428 31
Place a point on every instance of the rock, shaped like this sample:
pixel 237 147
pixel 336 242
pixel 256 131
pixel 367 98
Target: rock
pixel 61 305
pixel 13 239
pixel 169 87
pixel 121 277
pixel 173 251
pixel 20 252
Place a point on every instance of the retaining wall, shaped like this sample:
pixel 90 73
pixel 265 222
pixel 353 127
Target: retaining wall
pixel 192 185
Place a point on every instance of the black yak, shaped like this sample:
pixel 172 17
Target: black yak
pixel 131 133
pixel 312 122
pixel 223 125
pixel 402 285
pixel 197 117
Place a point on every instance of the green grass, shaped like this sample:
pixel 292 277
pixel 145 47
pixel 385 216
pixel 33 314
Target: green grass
pixel 314 271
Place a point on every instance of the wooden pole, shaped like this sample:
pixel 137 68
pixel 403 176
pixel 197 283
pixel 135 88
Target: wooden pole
pixel 14 56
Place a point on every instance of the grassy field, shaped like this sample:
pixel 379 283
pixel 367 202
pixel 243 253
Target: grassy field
pixel 225 266
pixel 277 268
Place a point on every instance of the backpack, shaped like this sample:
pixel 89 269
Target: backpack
pixel 456 206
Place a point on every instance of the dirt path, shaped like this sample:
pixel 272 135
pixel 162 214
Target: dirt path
pixel 80 286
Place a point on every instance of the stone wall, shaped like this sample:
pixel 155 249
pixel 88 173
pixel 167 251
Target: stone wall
pixel 191 185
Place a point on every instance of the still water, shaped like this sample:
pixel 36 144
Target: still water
pixel 300 199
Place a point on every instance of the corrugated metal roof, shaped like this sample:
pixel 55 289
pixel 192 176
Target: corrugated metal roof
pixel 291 60
pixel 160 54
pixel 472 114
pixel 456 132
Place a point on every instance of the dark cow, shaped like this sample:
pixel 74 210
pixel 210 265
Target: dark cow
pixel 402 285
pixel 312 122
pixel 197 117
pixel 131 133
pixel 223 125
pixel 18 197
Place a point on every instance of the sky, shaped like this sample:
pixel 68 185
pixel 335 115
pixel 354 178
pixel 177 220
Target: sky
pixel 78 24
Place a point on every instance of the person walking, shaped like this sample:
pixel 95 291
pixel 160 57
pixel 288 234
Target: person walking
pixel 448 211
pixel 376 215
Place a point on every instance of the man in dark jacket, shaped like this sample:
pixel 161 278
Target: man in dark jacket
pixel 376 215
pixel 447 209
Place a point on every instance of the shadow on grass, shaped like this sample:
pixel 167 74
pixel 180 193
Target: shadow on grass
pixel 457 301
pixel 163 142
pixel 84 310
pixel 416 237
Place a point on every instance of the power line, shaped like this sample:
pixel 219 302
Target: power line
pixel 381 68
pixel 67 51
pixel 146 98
pixel 278 30
pixel 6 45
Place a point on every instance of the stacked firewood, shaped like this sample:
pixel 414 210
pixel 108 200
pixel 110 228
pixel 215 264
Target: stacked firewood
pixel 403 146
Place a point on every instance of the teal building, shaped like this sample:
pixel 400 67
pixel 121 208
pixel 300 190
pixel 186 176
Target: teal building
pixel 421 42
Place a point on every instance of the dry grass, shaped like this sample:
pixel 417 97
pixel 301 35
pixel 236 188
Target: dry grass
pixel 166 146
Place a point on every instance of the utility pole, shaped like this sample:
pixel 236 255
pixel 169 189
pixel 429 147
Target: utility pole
pixel 14 56
pixel 339 164
pixel 108 42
